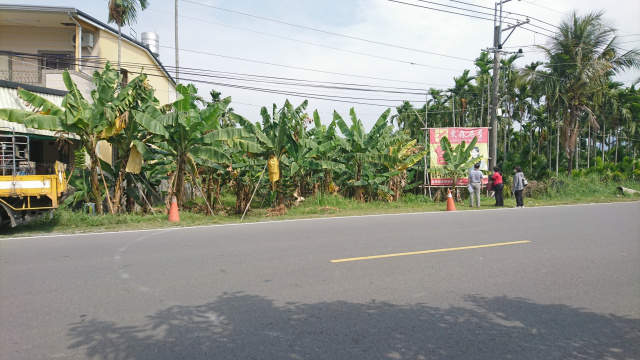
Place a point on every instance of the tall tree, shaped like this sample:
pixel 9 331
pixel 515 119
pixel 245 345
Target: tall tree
pixel 124 12
pixel 483 79
pixel 460 93
pixel 583 55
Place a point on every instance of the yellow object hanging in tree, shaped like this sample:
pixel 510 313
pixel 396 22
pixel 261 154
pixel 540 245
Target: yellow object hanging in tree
pixel 274 169
pixel 134 165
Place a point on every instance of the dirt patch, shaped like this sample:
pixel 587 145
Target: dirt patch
pixel 276 211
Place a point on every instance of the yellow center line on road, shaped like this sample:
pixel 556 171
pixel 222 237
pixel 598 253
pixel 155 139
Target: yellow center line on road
pixel 429 251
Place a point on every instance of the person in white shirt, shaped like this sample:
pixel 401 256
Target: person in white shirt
pixel 475 182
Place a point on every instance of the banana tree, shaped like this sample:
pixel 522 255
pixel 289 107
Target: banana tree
pixel 278 131
pixel 126 134
pixel 188 133
pixel 458 159
pixel 406 154
pixel 88 120
pixel 329 146
pixel 364 148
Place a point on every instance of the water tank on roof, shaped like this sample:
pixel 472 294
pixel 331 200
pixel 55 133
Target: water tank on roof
pixel 152 41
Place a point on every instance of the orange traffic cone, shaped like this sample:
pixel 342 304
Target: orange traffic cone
pixel 174 215
pixel 451 206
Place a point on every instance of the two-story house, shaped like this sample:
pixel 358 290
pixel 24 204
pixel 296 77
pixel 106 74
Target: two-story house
pixel 38 42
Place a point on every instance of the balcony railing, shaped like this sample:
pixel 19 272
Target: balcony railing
pixel 23 77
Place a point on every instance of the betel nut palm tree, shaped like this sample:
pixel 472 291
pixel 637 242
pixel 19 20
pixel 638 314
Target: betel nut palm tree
pixel 582 56
pixel 124 12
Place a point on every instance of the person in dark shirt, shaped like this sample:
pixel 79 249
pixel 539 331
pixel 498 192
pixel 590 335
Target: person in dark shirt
pixel 498 185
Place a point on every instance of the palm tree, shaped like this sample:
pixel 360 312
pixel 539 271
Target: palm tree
pixel 438 109
pixel 409 119
pixel 483 78
pixel 583 55
pixel 124 12
pixel 460 92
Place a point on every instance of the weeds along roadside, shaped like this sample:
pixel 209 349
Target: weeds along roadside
pixel 556 191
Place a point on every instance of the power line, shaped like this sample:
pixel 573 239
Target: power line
pixel 459 8
pixel 508 12
pixel 296 67
pixel 321 97
pixel 445 11
pixel 466 3
pixel 325 32
pixel 258 78
pixel 544 7
pixel 314 44
pixel 469 96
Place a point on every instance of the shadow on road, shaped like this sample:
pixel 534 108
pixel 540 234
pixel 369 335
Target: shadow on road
pixel 241 326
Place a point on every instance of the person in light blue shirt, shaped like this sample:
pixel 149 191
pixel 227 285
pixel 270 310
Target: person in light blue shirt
pixel 475 185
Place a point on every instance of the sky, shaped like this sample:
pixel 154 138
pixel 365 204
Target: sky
pixel 393 50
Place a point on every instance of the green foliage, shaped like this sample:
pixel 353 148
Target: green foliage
pixel 81 189
pixel 458 159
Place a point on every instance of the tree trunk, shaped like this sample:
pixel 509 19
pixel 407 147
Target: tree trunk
pixel 557 145
pixel 95 182
pixel 604 131
pixel 208 192
pixel 119 45
pixel 550 137
pixel 589 146
pixel 167 201
pixel 505 143
pixel 482 108
pixel 117 193
pixel 131 202
pixel 571 127
pixel 358 189
pixel 177 187
pixel 617 135
pixel 577 156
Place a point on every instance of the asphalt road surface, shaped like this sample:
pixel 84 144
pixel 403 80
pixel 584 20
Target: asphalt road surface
pixel 532 283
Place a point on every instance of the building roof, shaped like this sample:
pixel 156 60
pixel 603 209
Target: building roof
pixel 86 17
pixel 32 88
pixel 9 99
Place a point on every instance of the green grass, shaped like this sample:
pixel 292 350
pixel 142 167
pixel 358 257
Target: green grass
pixel 585 189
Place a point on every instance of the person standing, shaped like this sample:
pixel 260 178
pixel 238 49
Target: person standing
pixel 518 186
pixel 498 186
pixel 475 180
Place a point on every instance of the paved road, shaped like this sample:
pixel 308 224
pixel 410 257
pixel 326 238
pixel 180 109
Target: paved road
pixel 566 287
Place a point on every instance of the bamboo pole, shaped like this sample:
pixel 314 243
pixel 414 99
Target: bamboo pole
pixel 107 191
pixel 254 191
pixel 142 193
pixel 195 181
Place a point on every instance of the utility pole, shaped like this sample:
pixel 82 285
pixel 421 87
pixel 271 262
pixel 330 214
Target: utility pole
pixel 177 57
pixel 497 50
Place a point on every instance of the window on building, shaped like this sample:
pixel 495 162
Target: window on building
pixel 56 60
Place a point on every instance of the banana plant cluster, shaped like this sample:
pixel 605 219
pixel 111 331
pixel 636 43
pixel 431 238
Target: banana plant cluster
pixel 198 142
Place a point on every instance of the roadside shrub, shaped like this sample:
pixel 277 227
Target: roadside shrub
pixel 535 189
pixel 409 198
